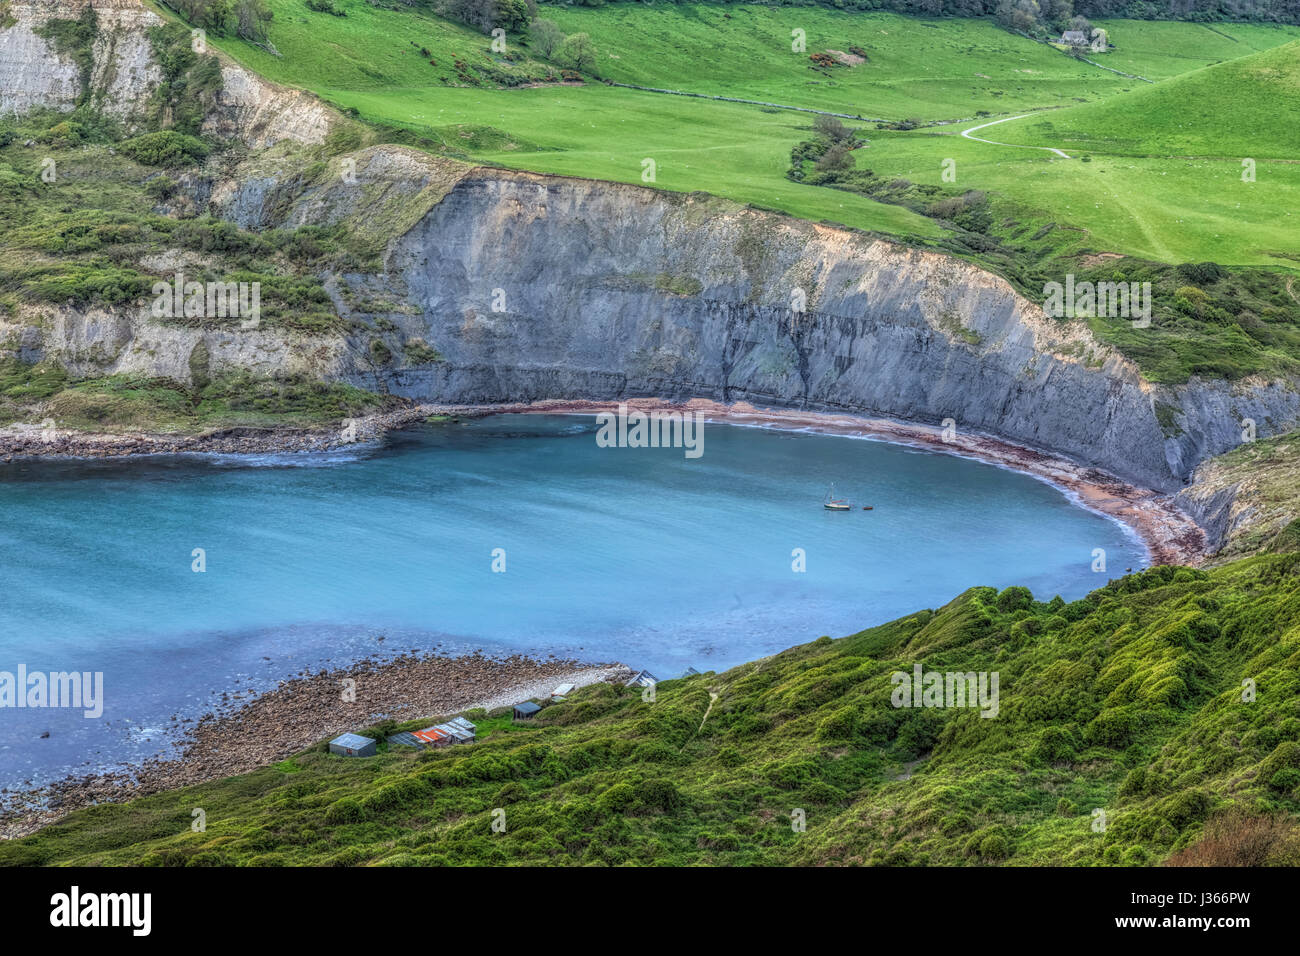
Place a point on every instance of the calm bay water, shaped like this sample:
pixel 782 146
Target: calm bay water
pixel 636 555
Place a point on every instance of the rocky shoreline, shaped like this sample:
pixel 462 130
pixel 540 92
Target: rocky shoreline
pixel 36 441
pixel 301 712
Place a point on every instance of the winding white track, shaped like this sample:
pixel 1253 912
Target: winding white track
pixel 967 134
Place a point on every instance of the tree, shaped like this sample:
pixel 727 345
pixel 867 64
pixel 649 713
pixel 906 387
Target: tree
pixel 1022 15
pixel 251 18
pixel 1055 12
pixel 209 14
pixel 513 15
pixel 578 53
pixel 832 129
pixel 546 36
pixel 837 159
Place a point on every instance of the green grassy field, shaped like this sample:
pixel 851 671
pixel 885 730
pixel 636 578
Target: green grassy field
pixel 1169 209
pixel 1127 702
pixel 1248 107
pixel 930 69
pixel 933 70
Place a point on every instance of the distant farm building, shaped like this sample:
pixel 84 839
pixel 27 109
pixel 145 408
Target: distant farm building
pixel 642 679
pixel 1078 39
pixel 353 745
pixel 526 710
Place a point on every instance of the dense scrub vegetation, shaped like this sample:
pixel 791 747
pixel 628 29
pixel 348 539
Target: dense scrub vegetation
pixel 1156 718
pixel 128 402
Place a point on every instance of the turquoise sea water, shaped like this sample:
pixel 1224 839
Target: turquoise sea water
pixel 638 555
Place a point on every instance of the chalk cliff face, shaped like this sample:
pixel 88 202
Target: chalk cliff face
pixel 33 73
pixel 125 73
pixel 533 287
pixel 538 287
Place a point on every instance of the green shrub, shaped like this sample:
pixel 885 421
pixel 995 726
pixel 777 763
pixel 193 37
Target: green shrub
pixel 994 847
pixel 346 810
pixel 617 798
pixel 165 148
pixel 657 794
pixel 840 725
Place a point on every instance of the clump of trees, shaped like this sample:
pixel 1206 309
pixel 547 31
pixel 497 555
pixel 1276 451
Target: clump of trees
pixel 513 16
pixel 545 36
pixel 1034 16
pixel 831 153
pixel 249 17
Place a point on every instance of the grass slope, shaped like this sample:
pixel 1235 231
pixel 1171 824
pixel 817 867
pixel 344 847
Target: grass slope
pixel 1246 107
pixel 933 70
pixel 1129 701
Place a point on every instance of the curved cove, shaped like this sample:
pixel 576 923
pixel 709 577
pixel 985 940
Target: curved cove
pixel 637 555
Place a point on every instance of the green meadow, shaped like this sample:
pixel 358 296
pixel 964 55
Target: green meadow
pixel 490 108
pixel 1248 107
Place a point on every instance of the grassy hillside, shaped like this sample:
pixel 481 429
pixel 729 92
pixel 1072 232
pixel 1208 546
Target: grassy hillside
pixel 930 69
pixel 1245 107
pixel 943 70
pixel 1129 701
pixel 1159 50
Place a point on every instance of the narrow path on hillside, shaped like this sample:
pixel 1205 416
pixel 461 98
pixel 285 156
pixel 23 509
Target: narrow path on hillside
pixel 713 699
pixel 1157 246
pixel 967 133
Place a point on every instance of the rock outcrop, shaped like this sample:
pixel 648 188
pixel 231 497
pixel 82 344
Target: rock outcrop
pixel 260 114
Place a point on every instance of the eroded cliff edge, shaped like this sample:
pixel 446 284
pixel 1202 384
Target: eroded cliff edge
pixel 535 287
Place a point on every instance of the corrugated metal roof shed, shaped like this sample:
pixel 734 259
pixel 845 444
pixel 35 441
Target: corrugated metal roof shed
pixel 353 745
pixel 462 722
pixel 643 679
pixel 525 710
pixel 456 731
